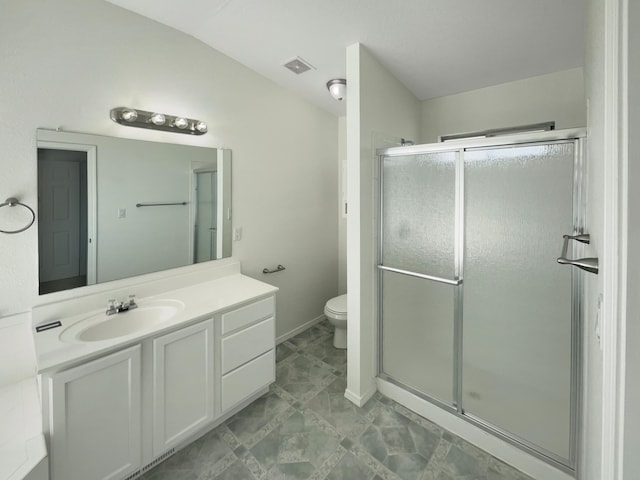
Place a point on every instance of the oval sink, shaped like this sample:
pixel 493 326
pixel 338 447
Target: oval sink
pixel 104 327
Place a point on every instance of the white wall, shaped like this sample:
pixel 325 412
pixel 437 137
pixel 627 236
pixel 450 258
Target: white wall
pixel 555 97
pixel 379 108
pixel 631 466
pixel 67 63
pixel 342 205
pixel 17 358
pixel 592 354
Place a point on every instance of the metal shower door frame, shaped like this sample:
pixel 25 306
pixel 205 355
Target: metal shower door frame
pixel 457 408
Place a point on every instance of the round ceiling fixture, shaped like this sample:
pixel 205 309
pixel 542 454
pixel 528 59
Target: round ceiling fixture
pixel 337 88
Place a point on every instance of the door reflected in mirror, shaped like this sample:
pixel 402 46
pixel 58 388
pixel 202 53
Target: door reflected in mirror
pixel 112 208
pixel 63 238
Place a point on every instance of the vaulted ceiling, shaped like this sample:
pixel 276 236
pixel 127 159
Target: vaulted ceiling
pixel 434 47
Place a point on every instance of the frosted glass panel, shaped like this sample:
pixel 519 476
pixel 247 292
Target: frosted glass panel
pixel 517 299
pixel 205 237
pixel 418 213
pixel 417 335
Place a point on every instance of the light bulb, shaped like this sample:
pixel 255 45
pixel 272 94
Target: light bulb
pixel 181 123
pixel 201 127
pixel 157 119
pixel 336 93
pixel 129 115
pixel 337 88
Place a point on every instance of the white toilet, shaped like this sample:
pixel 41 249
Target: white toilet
pixel 336 312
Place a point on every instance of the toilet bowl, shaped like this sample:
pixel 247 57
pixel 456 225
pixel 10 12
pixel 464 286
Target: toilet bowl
pixel 336 312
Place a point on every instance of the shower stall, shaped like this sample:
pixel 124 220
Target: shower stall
pixel 475 314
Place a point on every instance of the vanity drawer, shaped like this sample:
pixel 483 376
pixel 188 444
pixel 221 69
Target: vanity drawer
pixel 240 347
pixel 246 315
pixel 248 379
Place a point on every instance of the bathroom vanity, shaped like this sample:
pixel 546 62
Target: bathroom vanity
pixel 118 400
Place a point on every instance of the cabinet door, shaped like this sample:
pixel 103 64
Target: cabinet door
pixel 95 428
pixel 182 384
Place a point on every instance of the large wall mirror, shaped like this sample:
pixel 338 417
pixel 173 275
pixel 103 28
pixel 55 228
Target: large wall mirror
pixel 112 208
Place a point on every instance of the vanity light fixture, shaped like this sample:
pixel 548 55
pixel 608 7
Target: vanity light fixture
pixel 337 88
pixel 157 121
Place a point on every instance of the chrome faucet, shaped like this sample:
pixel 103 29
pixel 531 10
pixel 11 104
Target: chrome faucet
pixel 122 306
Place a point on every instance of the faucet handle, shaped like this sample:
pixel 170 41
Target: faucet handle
pixel 132 300
pixel 111 307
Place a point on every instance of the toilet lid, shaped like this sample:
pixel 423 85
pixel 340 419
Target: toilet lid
pixel 338 305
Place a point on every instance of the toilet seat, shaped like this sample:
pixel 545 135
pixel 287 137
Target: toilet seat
pixel 337 307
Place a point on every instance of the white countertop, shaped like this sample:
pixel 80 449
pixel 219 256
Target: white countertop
pixel 22 444
pixel 200 300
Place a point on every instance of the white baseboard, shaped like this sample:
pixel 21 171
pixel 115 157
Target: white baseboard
pixel 299 329
pixel 489 443
pixel 359 400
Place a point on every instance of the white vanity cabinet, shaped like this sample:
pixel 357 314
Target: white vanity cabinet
pixel 94 426
pixel 247 351
pixel 136 400
pixel 183 384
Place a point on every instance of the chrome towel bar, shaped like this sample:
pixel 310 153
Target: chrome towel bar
pixel 159 204
pixel 12 202
pixel 586 264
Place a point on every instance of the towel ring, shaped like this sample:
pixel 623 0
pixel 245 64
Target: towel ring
pixel 12 202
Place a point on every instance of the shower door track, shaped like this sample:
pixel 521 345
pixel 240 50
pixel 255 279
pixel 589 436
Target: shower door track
pixel 456 408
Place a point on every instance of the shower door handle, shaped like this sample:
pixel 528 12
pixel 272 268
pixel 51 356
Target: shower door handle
pixel 587 264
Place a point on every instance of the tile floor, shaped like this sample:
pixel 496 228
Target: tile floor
pixel 304 428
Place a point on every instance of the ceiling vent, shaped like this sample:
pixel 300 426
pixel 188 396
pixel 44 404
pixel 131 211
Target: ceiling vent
pixel 298 65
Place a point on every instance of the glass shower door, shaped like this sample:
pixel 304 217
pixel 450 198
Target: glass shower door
pixel 518 311
pixel 474 310
pixel 418 273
